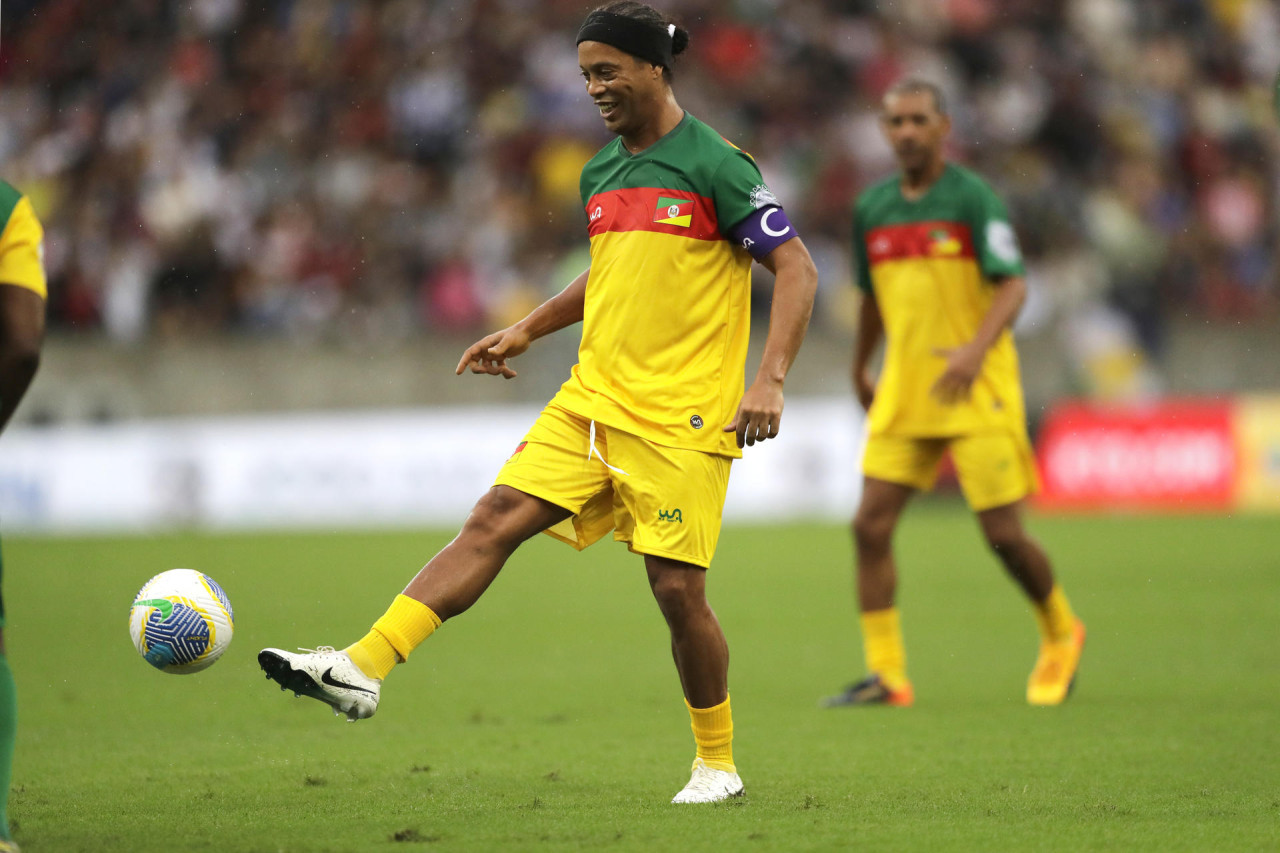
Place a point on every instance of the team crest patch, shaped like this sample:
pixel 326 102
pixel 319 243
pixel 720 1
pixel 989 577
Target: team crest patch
pixel 674 211
pixel 941 242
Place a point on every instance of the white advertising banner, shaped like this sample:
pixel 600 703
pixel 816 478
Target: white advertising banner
pixel 421 467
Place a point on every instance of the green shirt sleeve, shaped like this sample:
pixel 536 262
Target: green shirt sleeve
pixel 738 190
pixel 994 240
pixel 861 265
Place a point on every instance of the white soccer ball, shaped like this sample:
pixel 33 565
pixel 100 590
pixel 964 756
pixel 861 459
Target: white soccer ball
pixel 181 621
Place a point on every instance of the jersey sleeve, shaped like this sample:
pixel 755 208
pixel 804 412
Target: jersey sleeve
pixel 21 252
pixel 738 190
pixel 861 264
pixel 995 242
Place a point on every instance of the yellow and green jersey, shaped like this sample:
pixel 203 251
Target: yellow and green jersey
pixel 930 263
pixel 21 236
pixel 666 322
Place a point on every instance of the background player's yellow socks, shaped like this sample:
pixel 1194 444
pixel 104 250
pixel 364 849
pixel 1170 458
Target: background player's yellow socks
pixel 882 645
pixel 713 733
pixel 399 631
pixel 1054 616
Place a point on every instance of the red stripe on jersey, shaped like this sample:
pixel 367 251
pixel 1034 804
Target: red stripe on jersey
pixel 633 210
pixel 919 240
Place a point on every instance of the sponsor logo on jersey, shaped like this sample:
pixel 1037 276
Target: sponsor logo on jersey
pixel 696 421
pixel 762 196
pixel 673 515
pixel 1003 242
pixel 674 211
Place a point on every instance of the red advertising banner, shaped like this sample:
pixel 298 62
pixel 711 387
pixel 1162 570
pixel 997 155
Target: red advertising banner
pixel 1171 455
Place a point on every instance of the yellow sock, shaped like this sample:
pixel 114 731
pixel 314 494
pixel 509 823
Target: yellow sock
pixel 882 644
pixel 1054 616
pixel 713 733
pixel 399 631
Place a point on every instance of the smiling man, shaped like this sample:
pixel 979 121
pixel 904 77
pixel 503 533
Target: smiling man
pixel 640 438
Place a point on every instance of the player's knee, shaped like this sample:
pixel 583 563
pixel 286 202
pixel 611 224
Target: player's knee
pixel 494 519
pixel 1006 542
pixel 872 530
pixel 676 593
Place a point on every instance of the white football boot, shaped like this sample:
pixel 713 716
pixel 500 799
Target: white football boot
pixel 709 786
pixel 325 674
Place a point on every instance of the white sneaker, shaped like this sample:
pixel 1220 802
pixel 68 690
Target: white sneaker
pixel 325 674
pixel 709 786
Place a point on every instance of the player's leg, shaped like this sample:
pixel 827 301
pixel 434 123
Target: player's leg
pixel 894 469
pixel 669 509
pixel 349 680
pixel 543 483
pixel 874 524
pixel 702 661
pixel 1022 557
pixel 886 682
pixel 997 471
pixel 1061 631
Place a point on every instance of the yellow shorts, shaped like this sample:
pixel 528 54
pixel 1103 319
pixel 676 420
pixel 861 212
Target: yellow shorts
pixel 994 468
pixel 662 501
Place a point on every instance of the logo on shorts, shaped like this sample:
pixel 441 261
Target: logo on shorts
pixel 673 515
pixel 696 421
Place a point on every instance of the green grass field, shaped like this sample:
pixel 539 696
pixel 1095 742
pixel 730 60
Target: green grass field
pixel 550 718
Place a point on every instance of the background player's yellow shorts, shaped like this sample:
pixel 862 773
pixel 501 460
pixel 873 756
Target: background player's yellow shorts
pixel 662 501
pixel 994 468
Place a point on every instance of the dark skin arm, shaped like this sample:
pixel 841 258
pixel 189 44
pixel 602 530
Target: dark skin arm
pixel 490 353
pixel 21 334
pixel 759 415
pixel 964 362
pixel 870 333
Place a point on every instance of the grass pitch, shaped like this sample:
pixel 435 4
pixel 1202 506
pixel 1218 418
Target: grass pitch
pixel 550 718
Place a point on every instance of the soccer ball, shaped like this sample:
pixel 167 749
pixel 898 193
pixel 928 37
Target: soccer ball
pixel 181 621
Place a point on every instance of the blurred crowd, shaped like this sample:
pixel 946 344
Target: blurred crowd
pixel 367 170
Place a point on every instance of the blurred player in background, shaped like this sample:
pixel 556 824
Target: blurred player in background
pixel 942 281
pixel 640 438
pixel 22 299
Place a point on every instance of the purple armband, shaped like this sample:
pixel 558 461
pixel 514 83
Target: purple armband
pixel 763 231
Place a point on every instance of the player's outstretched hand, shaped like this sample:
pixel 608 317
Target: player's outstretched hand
pixel 759 414
pixel 490 353
pixel 963 365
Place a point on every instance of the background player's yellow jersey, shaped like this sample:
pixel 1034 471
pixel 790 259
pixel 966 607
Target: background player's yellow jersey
pixel 667 314
pixel 21 238
pixel 930 263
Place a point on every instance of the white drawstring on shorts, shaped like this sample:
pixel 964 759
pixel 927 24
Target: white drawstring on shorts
pixel 591 449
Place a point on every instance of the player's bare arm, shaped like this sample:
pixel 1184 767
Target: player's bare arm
pixel 964 363
pixel 489 354
pixel 870 333
pixel 21 333
pixel 759 415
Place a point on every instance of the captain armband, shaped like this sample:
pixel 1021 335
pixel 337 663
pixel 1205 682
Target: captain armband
pixel 763 231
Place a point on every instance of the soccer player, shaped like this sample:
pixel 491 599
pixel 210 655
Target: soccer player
pixel 942 281
pixel 640 437
pixel 22 298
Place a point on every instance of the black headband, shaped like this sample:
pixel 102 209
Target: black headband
pixel 650 42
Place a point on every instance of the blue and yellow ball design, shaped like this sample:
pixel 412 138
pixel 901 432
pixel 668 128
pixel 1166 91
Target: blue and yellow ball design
pixel 181 621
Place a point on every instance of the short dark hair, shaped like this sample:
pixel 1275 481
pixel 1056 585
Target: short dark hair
pixel 917 86
pixel 649 15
